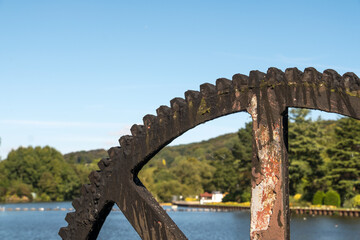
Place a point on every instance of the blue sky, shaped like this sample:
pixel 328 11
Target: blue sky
pixel 76 75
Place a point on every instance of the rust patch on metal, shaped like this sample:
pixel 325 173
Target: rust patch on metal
pixel 264 192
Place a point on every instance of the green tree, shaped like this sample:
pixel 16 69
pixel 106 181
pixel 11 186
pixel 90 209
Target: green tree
pixel 20 189
pixel 356 201
pixel 318 198
pixel 332 198
pixel 167 189
pixel 4 181
pixel 40 170
pixel 344 167
pixel 48 185
pixel 225 176
pixel 305 148
pixel 195 174
pixel 242 152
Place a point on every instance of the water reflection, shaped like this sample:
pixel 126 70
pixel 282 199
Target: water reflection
pixel 196 225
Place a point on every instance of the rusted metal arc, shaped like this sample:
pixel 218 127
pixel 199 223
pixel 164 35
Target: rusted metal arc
pixel 117 180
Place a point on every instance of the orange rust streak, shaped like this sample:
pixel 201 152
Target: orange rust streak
pixel 269 156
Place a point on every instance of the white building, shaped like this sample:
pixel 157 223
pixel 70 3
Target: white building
pixel 217 196
pixel 213 197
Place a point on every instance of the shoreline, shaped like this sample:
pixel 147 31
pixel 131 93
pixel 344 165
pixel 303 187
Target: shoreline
pixel 326 211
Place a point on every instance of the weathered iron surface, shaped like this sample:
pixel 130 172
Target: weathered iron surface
pixel 266 97
pixel 269 212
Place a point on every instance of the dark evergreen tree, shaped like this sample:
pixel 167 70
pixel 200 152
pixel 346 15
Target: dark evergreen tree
pixel 226 175
pixel 332 198
pixel 242 151
pixel 318 198
pixel 344 168
pixel 306 163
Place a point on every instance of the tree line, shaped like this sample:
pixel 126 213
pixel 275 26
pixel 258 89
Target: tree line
pixel 324 163
pixel 324 157
pixel 44 174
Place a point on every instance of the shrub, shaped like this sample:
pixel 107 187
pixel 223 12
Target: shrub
pixel 190 199
pixel 318 198
pixel 356 201
pixel 45 198
pixel 348 203
pixel 332 198
pixel 297 197
pixel 20 189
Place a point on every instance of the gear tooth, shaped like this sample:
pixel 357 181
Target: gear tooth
pixel 255 78
pixel 76 203
pixel 107 161
pixel 125 140
pixel 240 80
pixel 94 175
pixel 164 111
pixel 311 75
pixel 103 163
pixel 112 152
pixel 312 69
pixel 126 144
pixel 177 103
pixel 70 217
pixel 223 84
pixel 351 75
pixel 191 95
pixel 351 81
pixel 137 130
pixel 332 72
pixel 149 120
pixel 85 189
pixel 275 75
pixel 94 178
pixel 207 89
pixel 64 233
pixel 293 75
pixel 332 78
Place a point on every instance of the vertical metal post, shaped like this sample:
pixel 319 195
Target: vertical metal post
pixel 269 200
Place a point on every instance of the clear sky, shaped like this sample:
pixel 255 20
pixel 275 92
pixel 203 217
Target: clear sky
pixel 76 75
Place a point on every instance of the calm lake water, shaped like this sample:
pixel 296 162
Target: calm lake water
pixel 196 225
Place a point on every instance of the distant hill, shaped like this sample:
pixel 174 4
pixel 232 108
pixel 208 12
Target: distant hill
pixel 83 157
pixel 200 150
